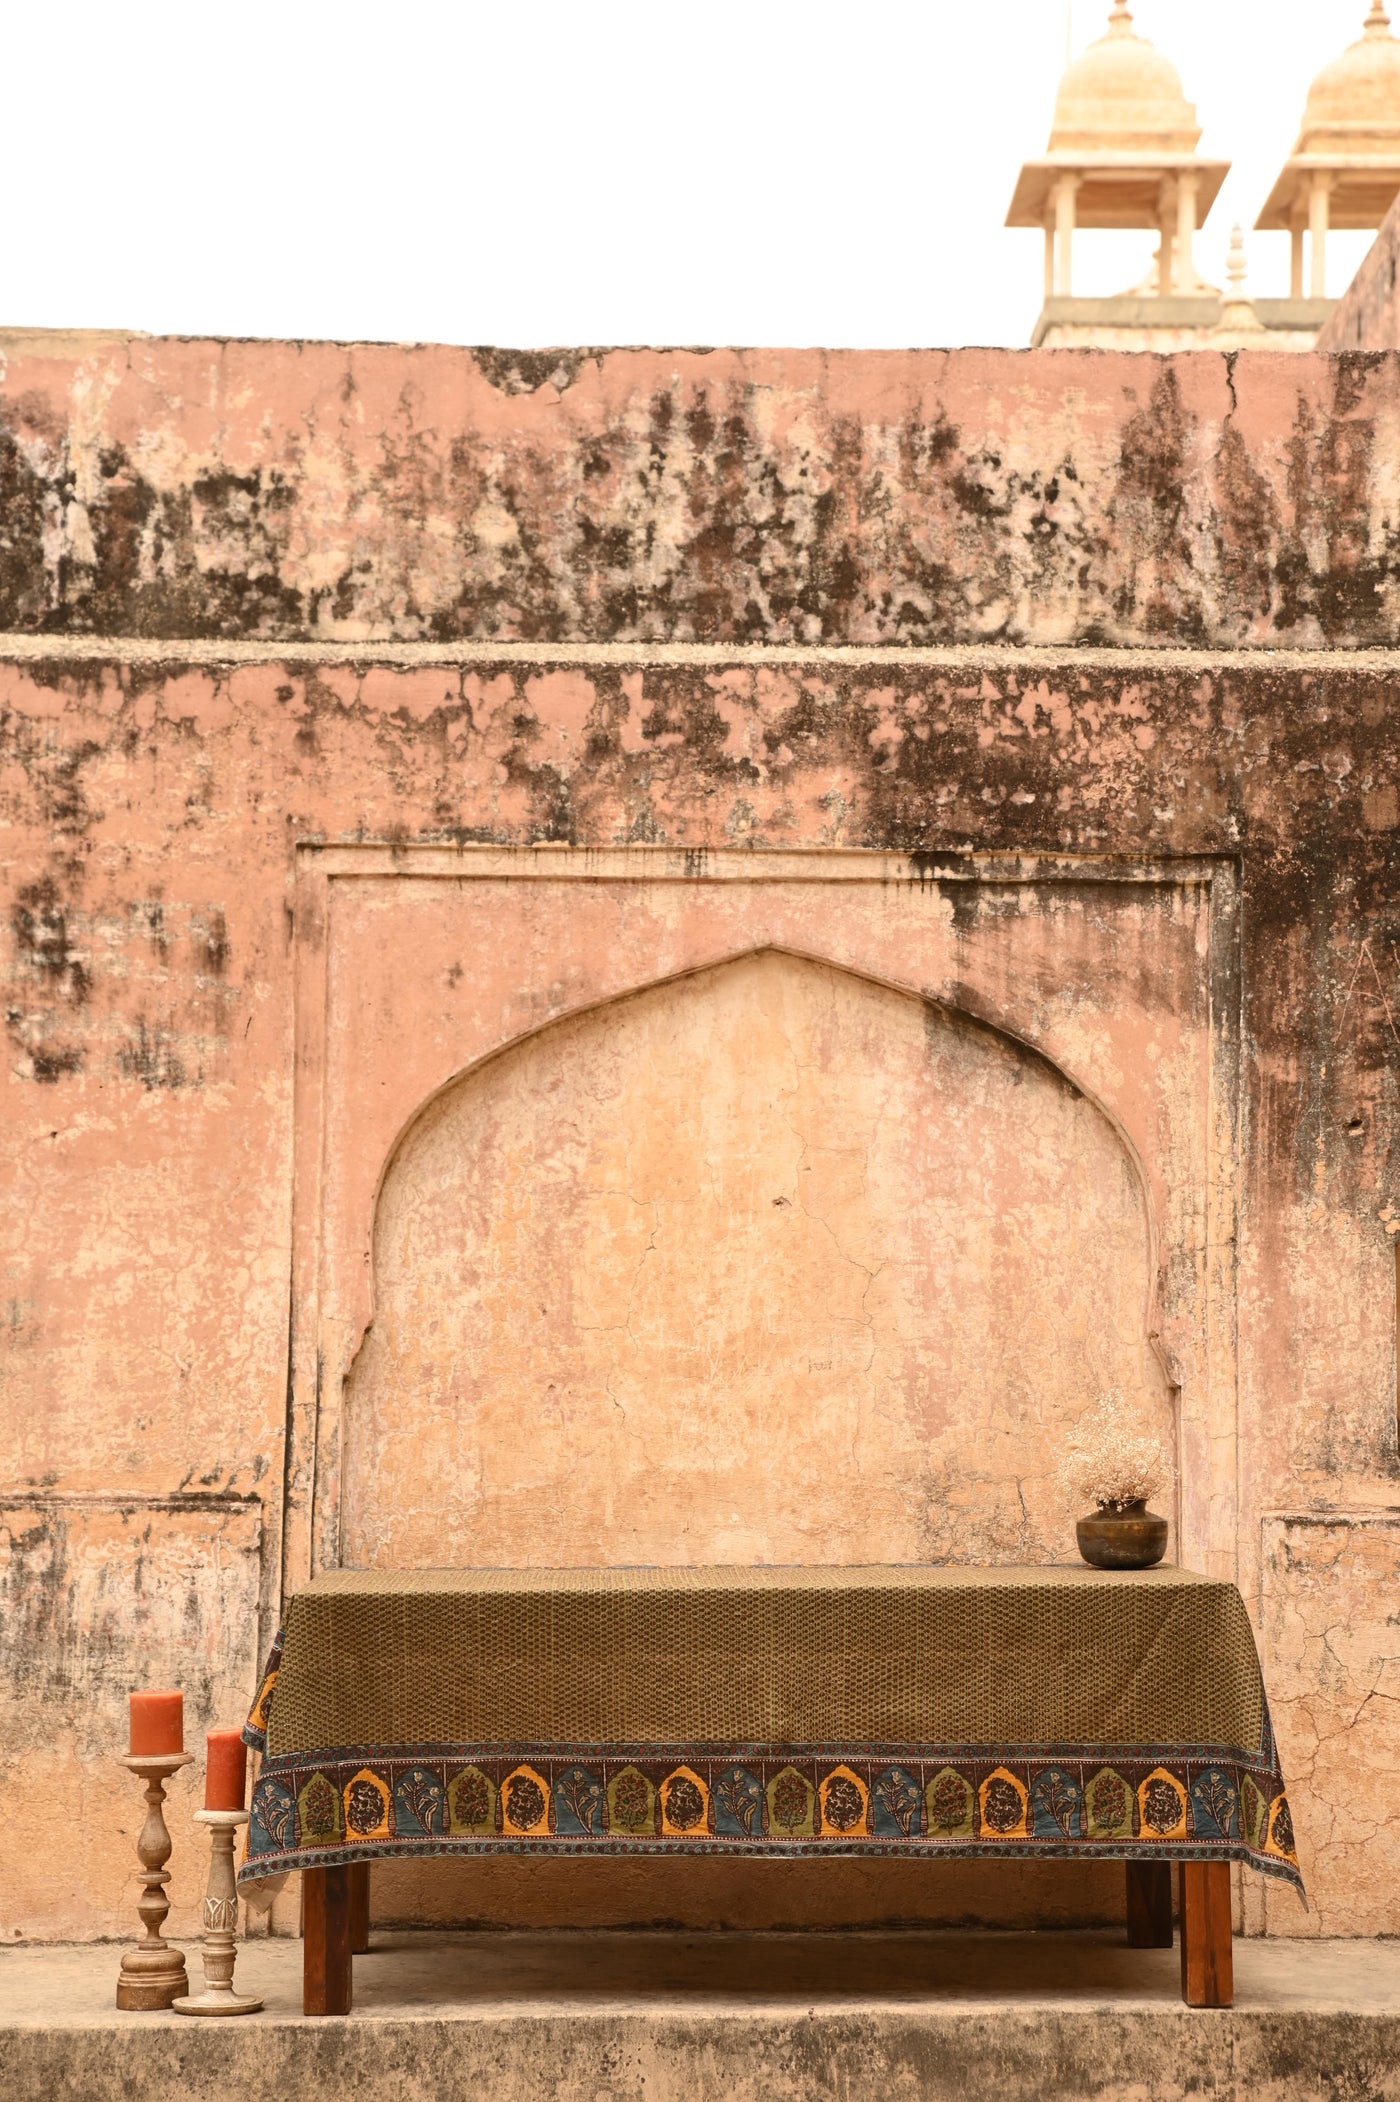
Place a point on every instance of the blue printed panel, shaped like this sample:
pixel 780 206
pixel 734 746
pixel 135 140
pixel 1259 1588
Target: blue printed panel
pixel 420 1803
pixel 271 1824
pixel 1215 1805
pixel 738 1802
pixel 1057 1805
pixel 896 1805
pixel 578 1802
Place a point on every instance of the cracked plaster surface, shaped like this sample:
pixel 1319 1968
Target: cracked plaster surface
pixel 1331 1636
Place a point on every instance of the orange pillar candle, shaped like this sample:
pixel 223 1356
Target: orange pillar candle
pixel 226 1770
pixel 157 1725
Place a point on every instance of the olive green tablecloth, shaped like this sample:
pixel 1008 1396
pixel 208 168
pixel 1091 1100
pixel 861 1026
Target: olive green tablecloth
pixel 1057 1710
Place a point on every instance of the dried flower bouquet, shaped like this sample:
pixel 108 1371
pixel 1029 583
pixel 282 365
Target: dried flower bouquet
pixel 1113 1462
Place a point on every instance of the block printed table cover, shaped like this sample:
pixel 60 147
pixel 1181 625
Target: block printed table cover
pixel 1066 1711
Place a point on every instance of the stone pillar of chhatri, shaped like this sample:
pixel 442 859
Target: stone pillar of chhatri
pixel 1345 169
pixel 1122 153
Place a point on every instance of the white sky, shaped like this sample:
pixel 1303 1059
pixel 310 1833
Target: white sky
pixel 613 171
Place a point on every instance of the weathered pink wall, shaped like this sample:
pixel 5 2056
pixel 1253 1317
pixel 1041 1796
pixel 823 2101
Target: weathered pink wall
pixel 728 604
pixel 1368 317
pixel 182 489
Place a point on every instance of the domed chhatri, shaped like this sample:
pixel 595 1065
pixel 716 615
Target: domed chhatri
pixel 1122 95
pixel 1345 169
pixel 1122 152
pixel 1354 104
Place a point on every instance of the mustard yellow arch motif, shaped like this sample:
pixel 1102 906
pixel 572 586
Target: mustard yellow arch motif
pixel 366 1804
pixel 1161 1806
pixel 525 1803
pixel 1003 1804
pixel 685 1805
pixel 845 1805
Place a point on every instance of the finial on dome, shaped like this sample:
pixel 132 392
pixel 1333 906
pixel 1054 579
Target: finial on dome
pixel 1120 22
pixel 1239 323
pixel 1378 21
pixel 1236 267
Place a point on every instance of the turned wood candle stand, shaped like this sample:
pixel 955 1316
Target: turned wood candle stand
pixel 220 1950
pixel 153 1974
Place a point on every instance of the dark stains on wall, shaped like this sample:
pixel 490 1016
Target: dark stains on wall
pixel 1247 536
pixel 526 371
pixel 733 497
pixel 675 711
pixel 1150 512
pixel 151 1055
pixel 52 1062
pixel 212 937
pixel 92 1587
pixel 82 966
pixel 1330 480
pixel 26 497
pixel 200 559
pixel 204 559
pixel 39 919
pixel 149 916
pixel 48 984
pixel 37 1597
pixel 1295 774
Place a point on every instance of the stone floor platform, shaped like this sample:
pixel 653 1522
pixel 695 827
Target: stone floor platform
pixel 656 2017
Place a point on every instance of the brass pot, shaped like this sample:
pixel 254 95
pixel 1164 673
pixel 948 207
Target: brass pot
pixel 1122 1536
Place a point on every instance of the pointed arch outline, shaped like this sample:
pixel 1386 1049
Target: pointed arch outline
pixel 992 1026
pixel 1193 1209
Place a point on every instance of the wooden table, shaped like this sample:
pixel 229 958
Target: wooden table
pixel 1064 1712
pixel 335 1928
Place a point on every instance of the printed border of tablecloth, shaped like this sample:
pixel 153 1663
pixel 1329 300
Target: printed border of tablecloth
pixel 344 1804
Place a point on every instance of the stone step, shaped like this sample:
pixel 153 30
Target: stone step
pixel 666 2017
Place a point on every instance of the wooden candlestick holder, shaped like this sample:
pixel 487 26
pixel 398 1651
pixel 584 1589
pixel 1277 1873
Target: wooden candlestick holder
pixel 220 1950
pixel 153 1973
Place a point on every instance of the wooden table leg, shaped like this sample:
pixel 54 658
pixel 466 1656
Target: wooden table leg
pixel 326 1968
pixel 1149 1904
pixel 358 1873
pixel 1207 1951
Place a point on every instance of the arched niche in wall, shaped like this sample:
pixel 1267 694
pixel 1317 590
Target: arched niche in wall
pixel 771 1262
